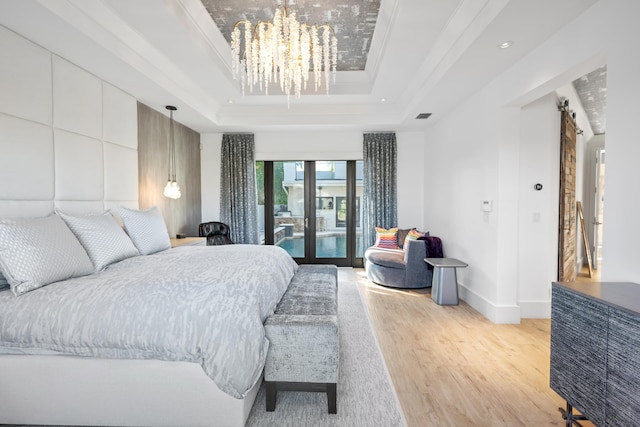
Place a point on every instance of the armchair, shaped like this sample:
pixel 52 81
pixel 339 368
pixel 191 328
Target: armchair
pixel 404 267
pixel 217 233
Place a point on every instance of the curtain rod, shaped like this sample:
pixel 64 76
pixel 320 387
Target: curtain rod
pixel 385 131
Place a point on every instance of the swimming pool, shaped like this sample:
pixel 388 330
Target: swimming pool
pixel 326 246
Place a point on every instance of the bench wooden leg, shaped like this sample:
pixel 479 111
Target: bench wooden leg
pixel 271 395
pixel 332 398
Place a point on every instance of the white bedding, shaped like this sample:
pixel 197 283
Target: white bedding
pixel 197 304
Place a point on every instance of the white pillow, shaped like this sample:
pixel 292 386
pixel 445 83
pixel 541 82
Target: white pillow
pixel 147 229
pixel 37 251
pixel 102 237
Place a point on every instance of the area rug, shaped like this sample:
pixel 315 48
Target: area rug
pixel 366 396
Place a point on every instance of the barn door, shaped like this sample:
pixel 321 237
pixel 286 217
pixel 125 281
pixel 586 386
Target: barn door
pixel 567 222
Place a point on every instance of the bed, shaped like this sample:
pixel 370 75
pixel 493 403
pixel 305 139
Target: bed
pixel 171 337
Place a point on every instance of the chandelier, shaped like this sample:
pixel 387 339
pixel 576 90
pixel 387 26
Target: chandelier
pixel 172 190
pixel 283 51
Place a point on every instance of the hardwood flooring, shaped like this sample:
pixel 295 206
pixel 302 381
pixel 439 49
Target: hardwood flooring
pixel 583 275
pixel 452 367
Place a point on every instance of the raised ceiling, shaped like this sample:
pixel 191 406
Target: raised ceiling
pixel 424 56
pixel 352 21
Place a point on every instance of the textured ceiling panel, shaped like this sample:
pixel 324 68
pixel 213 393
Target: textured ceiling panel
pixel 592 90
pixel 352 20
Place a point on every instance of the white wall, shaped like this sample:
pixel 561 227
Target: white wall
pixel 67 139
pixel 538 210
pixel 462 171
pixel 593 145
pixel 210 157
pixel 483 160
pixel 621 226
pixel 323 145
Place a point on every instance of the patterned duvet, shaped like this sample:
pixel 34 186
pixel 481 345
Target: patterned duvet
pixel 203 304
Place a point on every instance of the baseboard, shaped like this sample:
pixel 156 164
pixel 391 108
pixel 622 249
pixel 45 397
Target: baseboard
pixel 495 313
pixel 535 309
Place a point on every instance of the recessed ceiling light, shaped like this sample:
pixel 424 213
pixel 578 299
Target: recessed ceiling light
pixel 505 45
pixel 383 99
pixel 229 101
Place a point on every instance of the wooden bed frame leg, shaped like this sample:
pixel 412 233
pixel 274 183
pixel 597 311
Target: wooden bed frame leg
pixel 332 398
pixel 271 395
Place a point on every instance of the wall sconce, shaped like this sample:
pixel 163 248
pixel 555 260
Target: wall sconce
pixel 172 190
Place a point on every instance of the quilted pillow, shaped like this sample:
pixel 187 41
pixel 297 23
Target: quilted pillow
pixel 37 251
pixel 387 239
pixel 102 237
pixel 414 234
pixel 146 229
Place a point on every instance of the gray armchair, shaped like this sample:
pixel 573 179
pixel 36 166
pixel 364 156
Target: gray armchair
pixel 399 268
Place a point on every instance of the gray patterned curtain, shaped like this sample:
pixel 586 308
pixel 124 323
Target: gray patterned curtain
pixel 238 197
pixel 379 199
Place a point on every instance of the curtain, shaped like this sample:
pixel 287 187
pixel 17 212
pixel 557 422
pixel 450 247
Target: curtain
pixel 379 199
pixel 238 196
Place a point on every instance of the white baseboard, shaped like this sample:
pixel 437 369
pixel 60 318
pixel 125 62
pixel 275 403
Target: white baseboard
pixel 495 313
pixel 535 309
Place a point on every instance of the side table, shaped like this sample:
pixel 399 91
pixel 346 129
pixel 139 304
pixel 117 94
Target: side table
pixel 444 284
pixel 189 241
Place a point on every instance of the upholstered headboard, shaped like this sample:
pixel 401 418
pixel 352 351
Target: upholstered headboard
pixel 67 138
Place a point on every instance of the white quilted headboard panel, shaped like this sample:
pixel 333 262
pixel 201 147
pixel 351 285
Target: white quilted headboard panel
pixel 67 138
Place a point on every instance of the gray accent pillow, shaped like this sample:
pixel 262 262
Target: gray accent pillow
pixel 146 229
pixel 37 251
pixel 102 237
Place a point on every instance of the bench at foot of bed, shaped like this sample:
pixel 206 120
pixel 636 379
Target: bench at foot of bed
pixel 303 336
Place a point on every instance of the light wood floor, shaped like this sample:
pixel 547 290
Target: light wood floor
pixel 452 367
pixel 583 275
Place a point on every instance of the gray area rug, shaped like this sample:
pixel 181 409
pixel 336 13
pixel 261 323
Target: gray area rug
pixel 366 396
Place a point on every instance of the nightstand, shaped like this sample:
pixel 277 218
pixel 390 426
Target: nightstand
pixel 189 241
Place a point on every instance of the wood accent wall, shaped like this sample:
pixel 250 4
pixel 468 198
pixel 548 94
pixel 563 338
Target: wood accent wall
pixel 184 214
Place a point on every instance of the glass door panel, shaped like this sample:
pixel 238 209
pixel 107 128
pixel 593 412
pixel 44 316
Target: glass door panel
pixel 331 209
pixel 288 207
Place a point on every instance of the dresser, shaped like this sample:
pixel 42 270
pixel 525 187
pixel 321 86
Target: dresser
pixel 595 350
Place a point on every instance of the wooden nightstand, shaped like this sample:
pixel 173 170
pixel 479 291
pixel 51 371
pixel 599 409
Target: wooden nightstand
pixel 189 241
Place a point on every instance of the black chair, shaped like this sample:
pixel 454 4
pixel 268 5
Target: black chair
pixel 217 233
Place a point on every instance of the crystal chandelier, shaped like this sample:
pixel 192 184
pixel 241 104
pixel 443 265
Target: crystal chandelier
pixel 283 51
pixel 172 190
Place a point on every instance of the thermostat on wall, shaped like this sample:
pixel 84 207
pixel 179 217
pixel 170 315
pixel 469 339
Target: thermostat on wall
pixel 487 206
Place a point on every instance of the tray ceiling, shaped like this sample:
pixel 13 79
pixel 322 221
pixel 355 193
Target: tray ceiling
pixel 353 21
pixel 398 58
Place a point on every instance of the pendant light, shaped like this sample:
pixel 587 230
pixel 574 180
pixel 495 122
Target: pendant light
pixel 172 190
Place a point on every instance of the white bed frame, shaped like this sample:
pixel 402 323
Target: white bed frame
pixel 72 390
pixel 77 150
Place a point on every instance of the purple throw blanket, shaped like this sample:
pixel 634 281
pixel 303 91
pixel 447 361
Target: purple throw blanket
pixel 434 248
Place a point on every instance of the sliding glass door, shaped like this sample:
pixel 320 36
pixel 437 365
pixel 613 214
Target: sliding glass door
pixel 313 208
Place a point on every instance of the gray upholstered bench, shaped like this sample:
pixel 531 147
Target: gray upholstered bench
pixel 303 336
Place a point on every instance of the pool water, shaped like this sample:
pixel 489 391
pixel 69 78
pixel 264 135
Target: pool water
pixel 326 246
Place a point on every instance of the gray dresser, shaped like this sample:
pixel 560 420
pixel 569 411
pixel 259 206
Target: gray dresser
pixel 595 350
